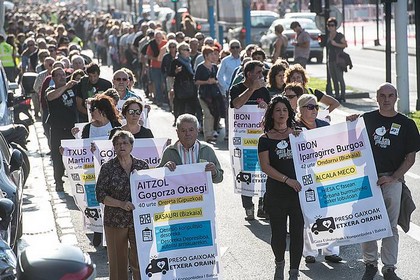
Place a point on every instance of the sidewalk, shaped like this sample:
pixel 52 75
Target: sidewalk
pixel 46 218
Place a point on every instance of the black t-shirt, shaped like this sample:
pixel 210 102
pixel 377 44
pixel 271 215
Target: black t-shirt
pixel 203 74
pixel 143 132
pixel 333 50
pixel 257 96
pixel 62 110
pixel 279 194
pixel 84 89
pixel 391 139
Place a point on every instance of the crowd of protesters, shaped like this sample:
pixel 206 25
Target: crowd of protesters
pixel 185 72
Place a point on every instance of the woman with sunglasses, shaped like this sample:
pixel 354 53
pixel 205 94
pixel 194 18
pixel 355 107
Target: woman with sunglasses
pixel 297 74
pixel 131 111
pixel 185 90
pixel 104 117
pixel 307 119
pixel 281 200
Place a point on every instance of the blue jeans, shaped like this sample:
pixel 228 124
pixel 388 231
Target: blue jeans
pixel 157 80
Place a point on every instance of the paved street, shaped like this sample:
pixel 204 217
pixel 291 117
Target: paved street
pixel 245 246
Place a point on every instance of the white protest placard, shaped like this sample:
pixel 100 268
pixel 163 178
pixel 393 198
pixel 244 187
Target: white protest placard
pixel 244 132
pixel 80 126
pixel 148 149
pixel 340 200
pixel 174 220
pixel 78 161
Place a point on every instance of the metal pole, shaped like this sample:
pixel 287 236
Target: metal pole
pixel 344 17
pixel 210 5
pixel 417 23
pixel 354 35
pixel 247 20
pixel 377 24
pixel 363 37
pixel 401 57
pixel 388 41
pixel 328 88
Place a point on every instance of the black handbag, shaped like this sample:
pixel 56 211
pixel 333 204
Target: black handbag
pixel 186 89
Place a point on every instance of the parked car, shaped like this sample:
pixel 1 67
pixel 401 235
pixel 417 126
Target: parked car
pixel 310 16
pixel 12 180
pixel 260 21
pixel 268 39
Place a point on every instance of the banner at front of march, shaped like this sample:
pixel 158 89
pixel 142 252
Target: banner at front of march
pixel 174 220
pixel 244 131
pixel 340 200
pixel 78 161
pixel 148 149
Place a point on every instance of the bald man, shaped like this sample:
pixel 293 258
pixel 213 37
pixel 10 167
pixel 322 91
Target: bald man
pixel 394 139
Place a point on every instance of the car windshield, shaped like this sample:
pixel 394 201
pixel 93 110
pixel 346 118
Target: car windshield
pixel 262 21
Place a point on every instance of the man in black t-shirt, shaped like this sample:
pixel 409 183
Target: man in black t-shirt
pixel 251 91
pixel 88 87
pixel 394 139
pixel 62 117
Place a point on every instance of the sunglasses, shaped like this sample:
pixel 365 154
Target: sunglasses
pixel 121 79
pixel 134 111
pixel 92 109
pixel 330 24
pixel 187 50
pixel 311 107
pixel 235 47
pixel 290 96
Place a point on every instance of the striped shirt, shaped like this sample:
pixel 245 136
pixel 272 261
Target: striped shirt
pixel 188 156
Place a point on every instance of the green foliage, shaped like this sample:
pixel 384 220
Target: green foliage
pixel 416 117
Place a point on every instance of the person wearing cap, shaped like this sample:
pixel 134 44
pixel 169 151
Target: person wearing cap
pixel 301 43
pixel 200 37
pixel 179 37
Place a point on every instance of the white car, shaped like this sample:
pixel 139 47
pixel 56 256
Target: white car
pixel 260 21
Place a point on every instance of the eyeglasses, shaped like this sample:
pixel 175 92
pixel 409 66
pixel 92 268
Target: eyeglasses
pixel 290 96
pixel 187 50
pixel 330 24
pixel 235 47
pixel 134 111
pixel 121 79
pixel 311 107
pixel 92 109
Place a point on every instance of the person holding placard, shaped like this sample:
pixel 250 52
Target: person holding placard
pixel 395 140
pixel 113 190
pixel 281 200
pixel 307 119
pixel 188 150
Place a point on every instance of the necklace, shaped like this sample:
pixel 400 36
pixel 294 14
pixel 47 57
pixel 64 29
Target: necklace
pixel 281 131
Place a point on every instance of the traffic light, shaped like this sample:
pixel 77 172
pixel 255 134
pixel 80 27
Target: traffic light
pixel 174 1
pixel 315 6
